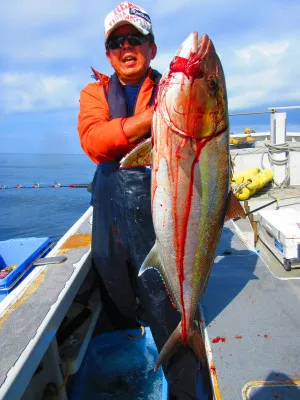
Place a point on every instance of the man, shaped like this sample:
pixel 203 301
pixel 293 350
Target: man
pixel 115 114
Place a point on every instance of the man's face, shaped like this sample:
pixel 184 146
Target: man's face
pixel 130 62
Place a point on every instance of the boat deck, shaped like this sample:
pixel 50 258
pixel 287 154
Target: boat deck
pixel 251 319
pixel 249 315
pixel 28 325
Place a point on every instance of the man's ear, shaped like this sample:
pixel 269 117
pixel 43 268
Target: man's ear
pixel 154 51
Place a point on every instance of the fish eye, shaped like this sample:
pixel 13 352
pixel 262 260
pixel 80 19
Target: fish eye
pixel 213 83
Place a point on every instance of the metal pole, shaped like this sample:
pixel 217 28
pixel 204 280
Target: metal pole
pixel 278 137
pixel 284 108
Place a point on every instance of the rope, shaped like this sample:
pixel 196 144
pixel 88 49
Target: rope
pixel 239 187
pixel 130 337
pixel 272 149
pixel 65 378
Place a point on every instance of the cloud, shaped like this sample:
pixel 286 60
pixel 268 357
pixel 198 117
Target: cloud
pixel 171 7
pixel 38 12
pixel 37 31
pixel 29 92
pixel 55 41
pixel 262 73
pixel 256 52
pixel 252 98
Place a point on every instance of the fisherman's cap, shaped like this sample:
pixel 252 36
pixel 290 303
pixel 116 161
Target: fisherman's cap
pixel 127 13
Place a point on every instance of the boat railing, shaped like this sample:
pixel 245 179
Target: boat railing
pixel 271 110
pixel 274 145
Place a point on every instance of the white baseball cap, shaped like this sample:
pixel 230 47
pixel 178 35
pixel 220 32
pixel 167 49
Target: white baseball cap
pixel 127 13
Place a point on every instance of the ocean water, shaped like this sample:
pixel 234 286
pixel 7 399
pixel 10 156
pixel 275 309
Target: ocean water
pixel 42 211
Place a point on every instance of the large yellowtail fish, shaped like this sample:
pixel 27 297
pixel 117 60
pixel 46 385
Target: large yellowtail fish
pixel 189 153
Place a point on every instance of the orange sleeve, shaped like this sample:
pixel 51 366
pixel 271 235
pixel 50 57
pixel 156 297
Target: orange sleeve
pixel 102 139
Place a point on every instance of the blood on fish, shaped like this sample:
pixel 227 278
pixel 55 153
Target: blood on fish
pixel 180 227
pixel 187 117
pixel 238 337
pixel 189 67
pixel 266 336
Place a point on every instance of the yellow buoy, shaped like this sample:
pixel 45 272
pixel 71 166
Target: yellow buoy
pixel 256 179
pixel 243 194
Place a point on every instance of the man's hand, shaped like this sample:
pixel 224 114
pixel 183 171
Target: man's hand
pixel 139 125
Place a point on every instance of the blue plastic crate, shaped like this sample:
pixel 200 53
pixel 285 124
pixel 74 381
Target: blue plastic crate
pixel 21 252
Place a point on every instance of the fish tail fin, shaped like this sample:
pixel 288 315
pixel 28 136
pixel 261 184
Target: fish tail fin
pixel 194 341
pixel 169 347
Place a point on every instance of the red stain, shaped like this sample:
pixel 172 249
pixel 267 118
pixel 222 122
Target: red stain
pixel 266 336
pixel 175 150
pixel 258 335
pixel 181 220
pixel 213 369
pixel 189 67
pixel 116 233
pixel 238 337
pixel 219 339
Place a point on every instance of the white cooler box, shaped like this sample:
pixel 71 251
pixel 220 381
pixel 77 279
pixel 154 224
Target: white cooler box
pixel 280 231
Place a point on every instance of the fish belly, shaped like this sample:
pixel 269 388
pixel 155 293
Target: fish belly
pixel 188 199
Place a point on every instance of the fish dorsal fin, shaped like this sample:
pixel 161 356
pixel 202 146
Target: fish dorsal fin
pixel 234 208
pixel 139 156
pixel 152 261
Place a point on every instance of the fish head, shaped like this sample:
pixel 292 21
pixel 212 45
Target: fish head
pixel 192 97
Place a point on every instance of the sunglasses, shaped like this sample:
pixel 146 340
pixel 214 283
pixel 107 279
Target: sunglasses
pixel 117 42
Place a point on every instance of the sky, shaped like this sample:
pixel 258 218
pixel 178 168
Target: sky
pixel 47 49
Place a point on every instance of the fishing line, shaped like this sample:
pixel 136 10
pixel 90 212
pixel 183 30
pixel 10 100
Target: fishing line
pixel 257 209
pixel 47 186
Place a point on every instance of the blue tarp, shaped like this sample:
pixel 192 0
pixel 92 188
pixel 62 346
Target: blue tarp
pixel 118 368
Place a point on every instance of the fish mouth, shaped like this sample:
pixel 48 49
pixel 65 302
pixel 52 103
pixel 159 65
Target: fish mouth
pixel 193 47
pixel 203 46
pixel 189 56
pixel 193 93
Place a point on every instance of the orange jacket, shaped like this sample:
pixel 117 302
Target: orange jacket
pixel 101 138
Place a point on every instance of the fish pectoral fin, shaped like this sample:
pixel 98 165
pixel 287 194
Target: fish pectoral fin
pixel 139 156
pixel 151 261
pixel 234 208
